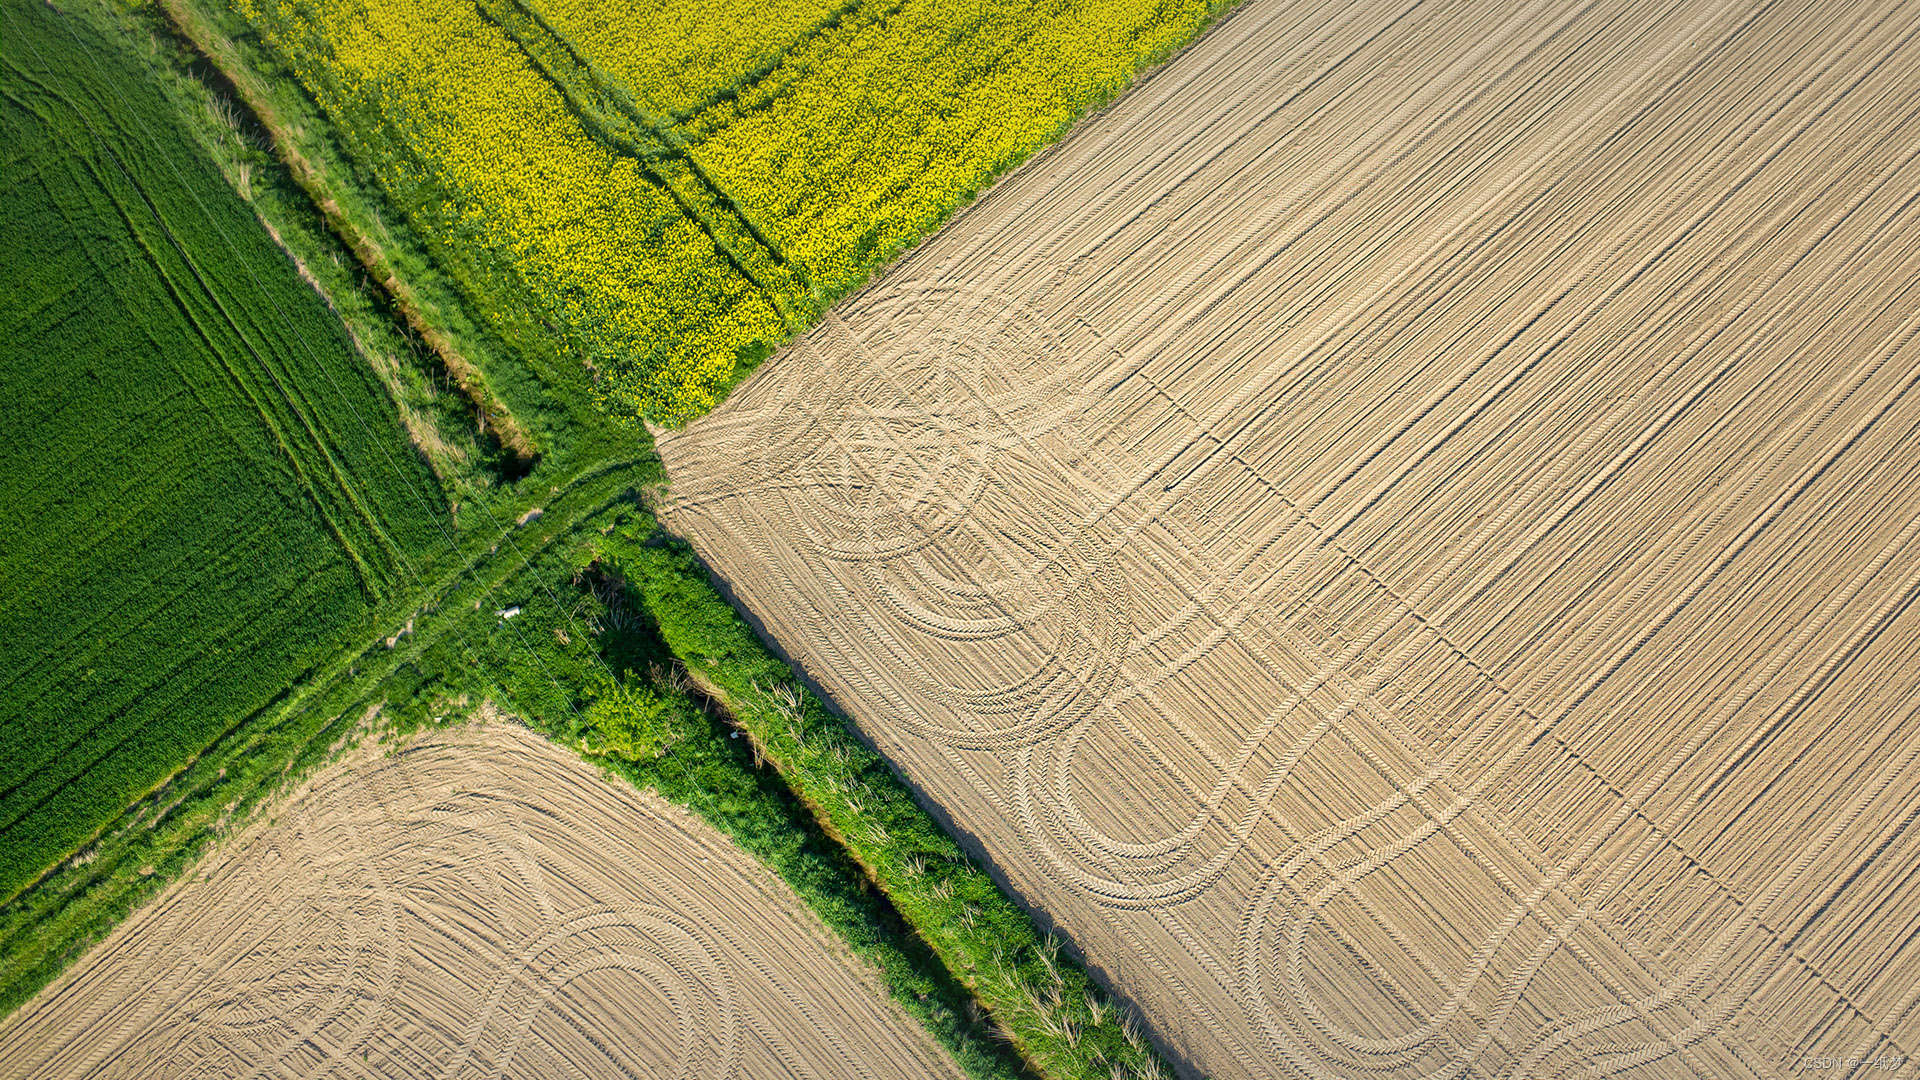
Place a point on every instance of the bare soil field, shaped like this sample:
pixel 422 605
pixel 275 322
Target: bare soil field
pixel 481 903
pixel 1401 536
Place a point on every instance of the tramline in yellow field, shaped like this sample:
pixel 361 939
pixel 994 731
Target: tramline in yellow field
pixel 671 193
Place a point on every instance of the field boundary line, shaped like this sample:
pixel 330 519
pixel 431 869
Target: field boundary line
pixel 314 179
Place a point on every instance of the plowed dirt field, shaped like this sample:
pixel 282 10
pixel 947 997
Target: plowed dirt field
pixel 1401 536
pixel 481 904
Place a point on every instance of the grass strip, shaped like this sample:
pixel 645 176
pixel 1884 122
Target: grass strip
pixel 1061 1022
pixel 211 796
pixel 654 727
pixel 494 417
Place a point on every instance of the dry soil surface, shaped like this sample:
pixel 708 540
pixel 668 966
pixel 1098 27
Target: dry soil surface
pixel 480 904
pixel 1401 536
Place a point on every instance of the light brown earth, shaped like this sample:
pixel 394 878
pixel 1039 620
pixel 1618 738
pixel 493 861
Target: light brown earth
pixel 480 904
pixel 1401 537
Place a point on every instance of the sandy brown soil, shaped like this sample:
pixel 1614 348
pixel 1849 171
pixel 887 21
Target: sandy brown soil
pixel 1402 537
pixel 481 904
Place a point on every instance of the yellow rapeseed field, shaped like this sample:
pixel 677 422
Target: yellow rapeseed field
pixel 827 133
pixel 537 217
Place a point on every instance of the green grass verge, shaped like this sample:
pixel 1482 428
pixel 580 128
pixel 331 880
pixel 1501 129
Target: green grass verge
pixel 582 659
pixel 1060 1020
pixel 215 793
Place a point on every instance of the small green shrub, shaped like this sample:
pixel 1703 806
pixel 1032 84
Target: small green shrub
pixel 640 722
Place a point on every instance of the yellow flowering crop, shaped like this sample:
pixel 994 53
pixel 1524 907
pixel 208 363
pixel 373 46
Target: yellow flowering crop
pixel 542 222
pixel 671 185
pixel 679 54
pixel 869 131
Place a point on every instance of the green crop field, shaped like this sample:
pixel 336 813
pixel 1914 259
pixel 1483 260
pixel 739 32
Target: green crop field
pixel 204 491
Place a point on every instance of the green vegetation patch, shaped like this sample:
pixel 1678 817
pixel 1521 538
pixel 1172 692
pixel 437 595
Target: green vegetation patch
pixel 207 494
pixel 570 644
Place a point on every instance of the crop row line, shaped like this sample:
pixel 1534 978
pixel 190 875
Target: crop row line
pixel 755 76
